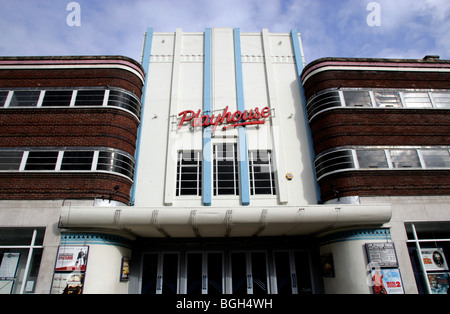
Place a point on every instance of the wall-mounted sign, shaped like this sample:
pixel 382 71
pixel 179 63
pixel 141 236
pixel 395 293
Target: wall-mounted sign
pixel 434 259
pixel 382 254
pixel 125 269
pixel 439 282
pixel 232 119
pixel 68 283
pixel 8 267
pixel 71 258
pixel 387 281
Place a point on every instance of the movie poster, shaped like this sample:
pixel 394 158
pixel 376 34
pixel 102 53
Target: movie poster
pixel 71 258
pixel 387 281
pixel 68 283
pixel 439 282
pixel 434 259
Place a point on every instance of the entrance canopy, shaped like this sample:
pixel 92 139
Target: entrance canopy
pixel 222 222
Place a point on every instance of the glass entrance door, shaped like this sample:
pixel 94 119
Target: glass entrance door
pixel 227 272
pixel 204 273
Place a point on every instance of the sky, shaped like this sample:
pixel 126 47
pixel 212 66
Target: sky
pixel 405 29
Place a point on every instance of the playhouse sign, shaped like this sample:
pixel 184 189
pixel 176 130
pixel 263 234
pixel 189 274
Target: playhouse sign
pixel 231 119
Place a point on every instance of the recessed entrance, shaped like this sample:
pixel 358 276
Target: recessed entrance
pixel 240 272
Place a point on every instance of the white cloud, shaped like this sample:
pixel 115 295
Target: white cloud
pixel 329 28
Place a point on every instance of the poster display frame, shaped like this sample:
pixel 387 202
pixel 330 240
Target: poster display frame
pixel 70 269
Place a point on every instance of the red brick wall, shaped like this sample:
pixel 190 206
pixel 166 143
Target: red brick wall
pixel 67 127
pixel 396 127
pixel 383 127
pixel 385 183
pixel 71 127
pixel 47 186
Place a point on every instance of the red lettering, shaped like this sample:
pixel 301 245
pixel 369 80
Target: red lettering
pixel 184 119
pixel 197 121
pixel 247 115
pixel 265 112
pixel 257 114
pixel 238 118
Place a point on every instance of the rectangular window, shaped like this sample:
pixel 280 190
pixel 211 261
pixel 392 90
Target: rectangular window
pixel 189 173
pixel 3 96
pixel 387 99
pixel 357 99
pixel 417 100
pixel 441 100
pixel 436 158
pixel 10 160
pixel 41 161
pixel 25 99
pixel 90 98
pixel 77 160
pixel 225 169
pixel 20 258
pixel 262 179
pixel 57 98
pixel 405 158
pixel 372 158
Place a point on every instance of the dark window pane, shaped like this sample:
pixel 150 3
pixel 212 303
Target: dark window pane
pixel 194 273
pixel 215 273
pixel 126 101
pixel 239 273
pixel 77 160
pixel 57 98
pixel 90 98
pixel 149 274
pixel 25 99
pixel 3 96
pixel 41 161
pixel 10 160
pixel 115 162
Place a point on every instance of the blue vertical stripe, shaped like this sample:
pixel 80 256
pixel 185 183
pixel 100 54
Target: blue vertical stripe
pixel 145 64
pixel 299 64
pixel 244 179
pixel 207 145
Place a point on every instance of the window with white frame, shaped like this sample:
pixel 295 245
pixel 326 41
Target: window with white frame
pixel 225 172
pixel 225 169
pixel 21 251
pixel 189 173
pixel 83 97
pixel 27 98
pixel 387 99
pixel 372 158
pixel 365 158
pixel 357 99
pixel 57 98
pixel 262 178
pixel 69 160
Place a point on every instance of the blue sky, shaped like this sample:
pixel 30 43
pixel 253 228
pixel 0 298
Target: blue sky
pixel 329 28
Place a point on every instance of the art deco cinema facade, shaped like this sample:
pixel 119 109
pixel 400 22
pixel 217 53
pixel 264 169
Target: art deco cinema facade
pixel 222 165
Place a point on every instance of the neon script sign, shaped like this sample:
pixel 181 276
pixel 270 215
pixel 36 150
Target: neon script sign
pixel 235 119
